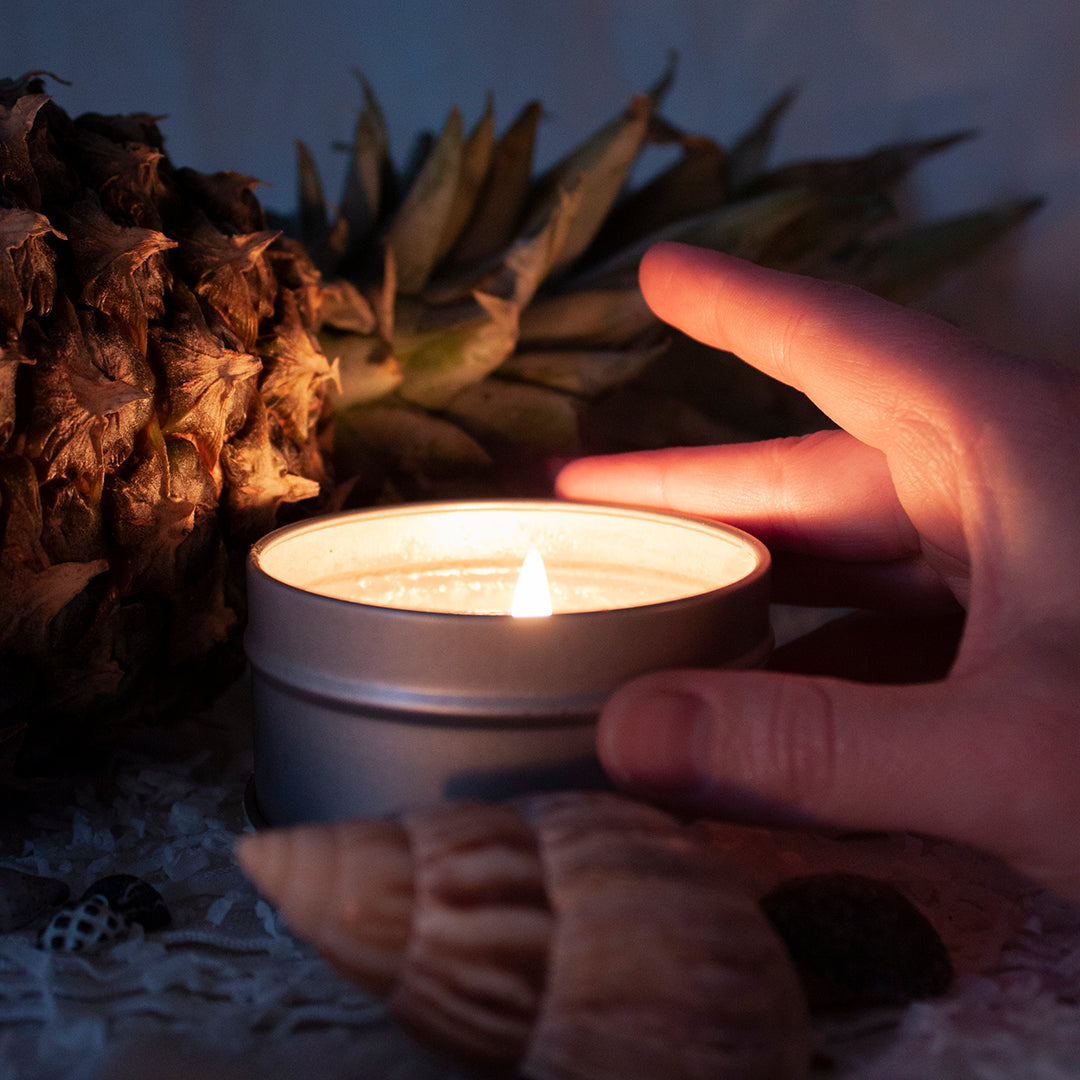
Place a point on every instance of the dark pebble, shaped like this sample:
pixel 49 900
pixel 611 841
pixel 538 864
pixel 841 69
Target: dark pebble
pixel 857 941
pixel 132 899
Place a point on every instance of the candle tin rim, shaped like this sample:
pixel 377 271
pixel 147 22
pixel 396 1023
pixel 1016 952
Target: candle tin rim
pixel 362 708
pixel 761 568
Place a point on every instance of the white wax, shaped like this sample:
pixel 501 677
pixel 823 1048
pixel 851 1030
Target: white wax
pixel 481 589
pixel 466 558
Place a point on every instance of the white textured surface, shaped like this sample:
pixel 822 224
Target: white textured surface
pixel 240 81
pixel 227 993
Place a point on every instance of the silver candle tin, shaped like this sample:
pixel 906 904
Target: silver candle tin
pixel 362 708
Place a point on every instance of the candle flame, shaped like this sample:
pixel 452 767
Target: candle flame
pixel 532 594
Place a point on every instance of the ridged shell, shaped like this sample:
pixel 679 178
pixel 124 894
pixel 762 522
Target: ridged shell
pixel 563 936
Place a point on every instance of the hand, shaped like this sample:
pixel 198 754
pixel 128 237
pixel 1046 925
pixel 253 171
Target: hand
pixel 951 485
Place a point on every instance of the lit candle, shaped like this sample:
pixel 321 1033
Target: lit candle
pixel 466 558
pixel 532 593
pixel 392 665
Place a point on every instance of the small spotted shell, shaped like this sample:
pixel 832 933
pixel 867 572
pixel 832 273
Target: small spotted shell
pixel 81 926
pixel 105 912
pixel 570 936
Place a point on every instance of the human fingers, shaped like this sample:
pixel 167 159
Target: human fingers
pixel 824 503
pixel 981 447
pixel 945 758
pixel 938 404
pixel 823 494
pixel 873 366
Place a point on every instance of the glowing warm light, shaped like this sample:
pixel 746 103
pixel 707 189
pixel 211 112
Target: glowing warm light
pixel 532 594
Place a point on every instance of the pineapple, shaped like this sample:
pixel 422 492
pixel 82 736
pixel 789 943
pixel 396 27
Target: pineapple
pixel 174 368
pixel 486 319
pixel 162 401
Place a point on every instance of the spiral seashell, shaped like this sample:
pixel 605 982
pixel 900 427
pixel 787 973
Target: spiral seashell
pixel 570 936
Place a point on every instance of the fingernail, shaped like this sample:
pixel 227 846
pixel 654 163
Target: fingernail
pixel 662 744
pixel 650 736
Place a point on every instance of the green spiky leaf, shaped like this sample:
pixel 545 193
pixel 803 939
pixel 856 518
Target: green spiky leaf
pixel 415 232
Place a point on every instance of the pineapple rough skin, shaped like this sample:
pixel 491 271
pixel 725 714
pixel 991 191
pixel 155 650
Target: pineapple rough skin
pixel 162 397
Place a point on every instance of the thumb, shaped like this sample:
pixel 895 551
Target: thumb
pixel 790 749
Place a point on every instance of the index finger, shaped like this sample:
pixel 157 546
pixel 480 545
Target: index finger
pixel 871 365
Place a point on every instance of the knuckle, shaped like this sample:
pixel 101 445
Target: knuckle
pixel 799 751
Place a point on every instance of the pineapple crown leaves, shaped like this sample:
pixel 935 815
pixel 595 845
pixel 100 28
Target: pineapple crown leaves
pixel 900 265
pixel 697 182
pixel 436 364
pixel 879 169
pixel 515 418
pixel 749 154
pixel 501 198
pixel 391 435
pixel 600 167
pixel 415 234
pixel 473 224
pixel 471 197
pixel 369 175
pixel 745 228
pixel 450 321
pixel 584 373
pixel 442 349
